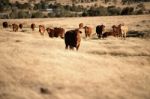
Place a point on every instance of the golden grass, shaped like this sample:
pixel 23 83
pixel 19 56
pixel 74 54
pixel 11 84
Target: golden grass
pixel 35 67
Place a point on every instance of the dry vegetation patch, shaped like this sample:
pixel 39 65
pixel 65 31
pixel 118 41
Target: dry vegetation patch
pixel 35 67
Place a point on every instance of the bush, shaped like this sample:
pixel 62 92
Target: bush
pixel 99 11
pixel 85 14
pixel 37 15
pixel 141 6
pixel 14 13
pixel 51 14
pixel 138 12
pixel 127 11
pixel 23 14
pixel 112 10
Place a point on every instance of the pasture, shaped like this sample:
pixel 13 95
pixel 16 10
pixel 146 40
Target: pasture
pixel 38 67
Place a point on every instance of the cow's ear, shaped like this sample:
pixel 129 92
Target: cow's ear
pixel 80 32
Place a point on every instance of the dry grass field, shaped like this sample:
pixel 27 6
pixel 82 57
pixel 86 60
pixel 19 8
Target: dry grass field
pixel 36 67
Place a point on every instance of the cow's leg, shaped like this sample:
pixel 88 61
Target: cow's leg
pixel 125 35
pixel 66 46
pixel 77 47
pixel 98 35
pixel 122 35
pixel 85 36
pixel 101 36
pixel 71 48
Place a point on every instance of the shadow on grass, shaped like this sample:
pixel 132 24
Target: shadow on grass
pixel 118 54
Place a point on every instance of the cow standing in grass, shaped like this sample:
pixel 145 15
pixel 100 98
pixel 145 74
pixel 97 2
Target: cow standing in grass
pixel 81 25
pixel 5 24
pixel 100 30
pixel 15 27
pixel 32 26
pixel 124 30
pixel 56 32
pixel 73 39
pixel 42 29
pixel 20 26
pixel 88 31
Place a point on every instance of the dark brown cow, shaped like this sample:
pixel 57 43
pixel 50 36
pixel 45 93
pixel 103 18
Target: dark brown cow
pixel 50 32
pixel 5 24
pixel 15 27
pixel 32 26
pixel 80 25
pixel 88 31
pixel 20 26
pixel 99 30
pixel 56 32
pixel 41 29
pixel 106 34
pixel 116 30
pixel 73 39
pixel 59 32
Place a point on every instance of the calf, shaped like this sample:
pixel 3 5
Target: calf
pixel 88 31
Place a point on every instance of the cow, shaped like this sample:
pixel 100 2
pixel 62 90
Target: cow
pixel 50 32
pixel 56 32
pixel 80 25
pixel 124 30
pixel 88 31
pixel 116 30
pixel 5 24
pixel 41 29
pixel 73 39
pixel 15 27
pixel 20 26
pixel 106 34
pixel 32 26
pixel 100 30
pixel 59 32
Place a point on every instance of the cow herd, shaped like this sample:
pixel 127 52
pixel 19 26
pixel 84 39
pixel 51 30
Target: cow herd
pixel 72 38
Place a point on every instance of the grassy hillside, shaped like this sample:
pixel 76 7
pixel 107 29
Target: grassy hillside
pixel 36 67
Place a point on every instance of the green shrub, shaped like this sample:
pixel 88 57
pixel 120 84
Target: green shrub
pixel 112 10
pixel 99 11
pixel 37 15
pixel 127 11
pixel 23 14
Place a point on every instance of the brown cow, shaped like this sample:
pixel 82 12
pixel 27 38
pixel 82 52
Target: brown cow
pixel 41 29
pixel 50 32
pixel 20 26
pixel 56 32
pixel 59 32
pixel 80 25
pixel 106 34
pixel 99 30
pixel 32 26
pixel 116 30
pixel 5 24
pixel 15 27
pixel 73 39
pixel 88 31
